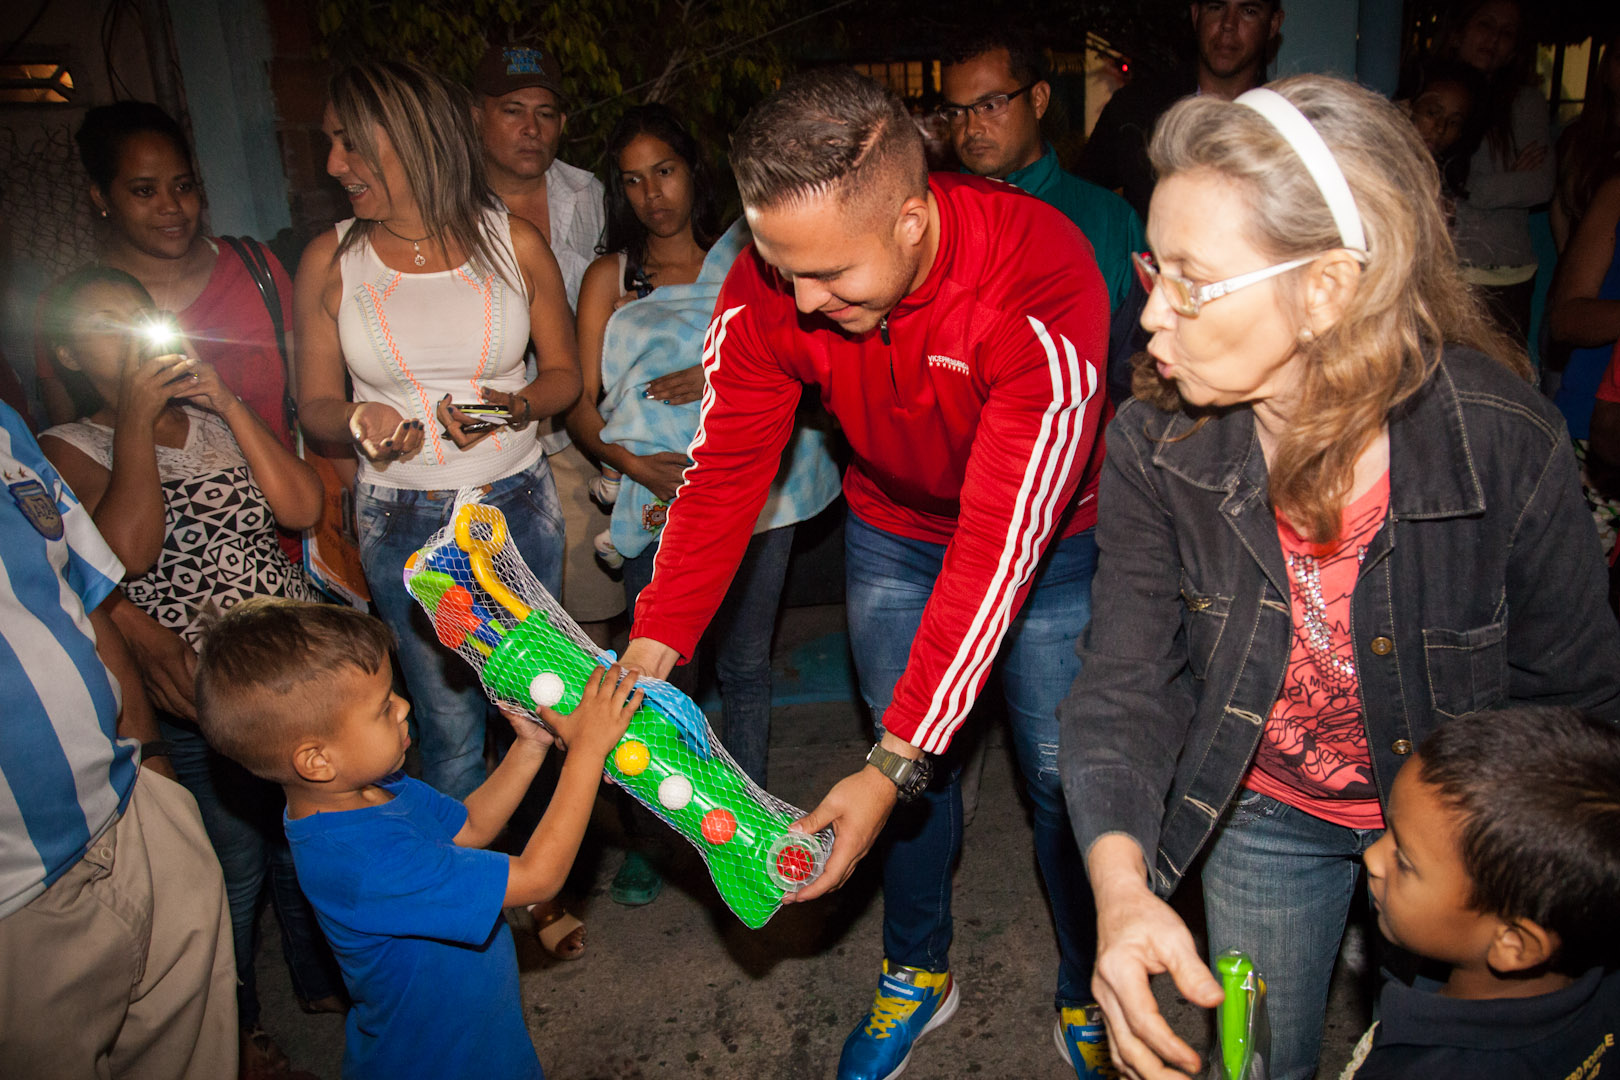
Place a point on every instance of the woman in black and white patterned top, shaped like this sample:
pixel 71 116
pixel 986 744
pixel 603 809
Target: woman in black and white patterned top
pixel 187 485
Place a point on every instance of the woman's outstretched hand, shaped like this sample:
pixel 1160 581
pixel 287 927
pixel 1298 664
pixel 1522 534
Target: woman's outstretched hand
pixel 1139 936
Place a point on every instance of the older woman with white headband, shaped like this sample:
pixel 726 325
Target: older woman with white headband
pixel 1335 515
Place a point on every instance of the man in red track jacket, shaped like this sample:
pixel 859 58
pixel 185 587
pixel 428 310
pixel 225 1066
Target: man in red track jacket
pixel 956 328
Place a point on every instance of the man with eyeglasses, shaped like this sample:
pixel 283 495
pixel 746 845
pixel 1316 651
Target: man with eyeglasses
pixel 1235 40
pixel 996 93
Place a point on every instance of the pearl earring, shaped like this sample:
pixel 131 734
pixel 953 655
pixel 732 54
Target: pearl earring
pixel 1306 335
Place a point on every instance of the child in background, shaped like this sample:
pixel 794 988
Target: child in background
pixel 1501 860
pixel 1447 109
pixel 302 694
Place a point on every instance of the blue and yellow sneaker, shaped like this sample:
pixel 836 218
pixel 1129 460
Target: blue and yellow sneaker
pixel 1083 1041
pixel 910 1003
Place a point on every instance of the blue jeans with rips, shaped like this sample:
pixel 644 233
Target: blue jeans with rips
pixel 242 816
pixel 1278 884
pixel 741 633
pixel 449 706
pixel 889 579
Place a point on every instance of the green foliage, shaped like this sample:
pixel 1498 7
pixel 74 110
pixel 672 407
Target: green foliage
pixel 710 60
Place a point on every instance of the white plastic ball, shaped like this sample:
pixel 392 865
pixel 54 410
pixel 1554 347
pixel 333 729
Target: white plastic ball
pixel 546 689
pixel 674 792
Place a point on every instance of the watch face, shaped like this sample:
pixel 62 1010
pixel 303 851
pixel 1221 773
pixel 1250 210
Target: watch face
pixel 916 780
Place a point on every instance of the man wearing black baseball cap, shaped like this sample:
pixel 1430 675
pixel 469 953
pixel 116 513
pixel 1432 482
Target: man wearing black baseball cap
pixel 518 93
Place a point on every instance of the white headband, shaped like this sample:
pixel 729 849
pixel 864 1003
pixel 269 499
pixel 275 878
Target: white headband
pixel 1318 159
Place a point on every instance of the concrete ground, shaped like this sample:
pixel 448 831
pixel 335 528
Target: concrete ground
pixel 680 988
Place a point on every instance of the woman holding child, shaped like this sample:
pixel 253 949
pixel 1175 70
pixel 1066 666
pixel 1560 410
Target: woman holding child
pixel 1335 514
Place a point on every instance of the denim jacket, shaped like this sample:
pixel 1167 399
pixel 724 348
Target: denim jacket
pixel 1484 587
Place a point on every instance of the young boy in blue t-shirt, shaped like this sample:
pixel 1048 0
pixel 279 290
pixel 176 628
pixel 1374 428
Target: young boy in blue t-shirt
pixel 302 694
pixel 1502 861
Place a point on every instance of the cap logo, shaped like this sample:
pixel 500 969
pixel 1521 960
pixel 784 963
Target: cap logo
pixel 524 62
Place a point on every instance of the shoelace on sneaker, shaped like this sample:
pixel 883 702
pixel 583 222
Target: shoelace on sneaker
pixel 887 1011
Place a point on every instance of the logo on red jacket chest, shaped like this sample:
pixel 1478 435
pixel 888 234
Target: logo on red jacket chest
pixel 949 363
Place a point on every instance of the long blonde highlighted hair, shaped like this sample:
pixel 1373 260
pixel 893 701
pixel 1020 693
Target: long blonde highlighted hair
pixel 1409 301
pixel 429 123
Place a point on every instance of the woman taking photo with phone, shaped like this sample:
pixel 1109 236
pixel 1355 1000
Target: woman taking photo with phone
pixel 427 299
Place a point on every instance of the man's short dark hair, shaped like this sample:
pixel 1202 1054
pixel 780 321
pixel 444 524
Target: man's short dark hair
pixel 1538 793
pixel 828 132
pixel 265 673
pixel 1026 60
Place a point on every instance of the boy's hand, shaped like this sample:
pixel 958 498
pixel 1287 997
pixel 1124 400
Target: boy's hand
pixel 599 721
pixel 527 729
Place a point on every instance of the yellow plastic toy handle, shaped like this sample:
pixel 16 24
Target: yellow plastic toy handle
pixel 481 553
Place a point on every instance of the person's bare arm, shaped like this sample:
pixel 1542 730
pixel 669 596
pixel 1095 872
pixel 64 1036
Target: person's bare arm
pixel 290 486
pixel 551 327
pixel 490 807
pixel 126 501
pixel 590 732
pixel 318 369
pixel 167 663
pixel 136 720
pixel 1575 315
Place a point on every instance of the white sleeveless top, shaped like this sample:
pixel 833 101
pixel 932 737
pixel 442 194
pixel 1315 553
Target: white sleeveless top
pixel 409 339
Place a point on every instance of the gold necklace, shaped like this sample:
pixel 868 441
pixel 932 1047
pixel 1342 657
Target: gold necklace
pixel 416 245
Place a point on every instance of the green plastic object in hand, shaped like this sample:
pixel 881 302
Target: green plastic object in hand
pixel 1242 1034
pixel 488 606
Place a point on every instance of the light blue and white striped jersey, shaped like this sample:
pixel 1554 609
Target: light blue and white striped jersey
pixel 64 773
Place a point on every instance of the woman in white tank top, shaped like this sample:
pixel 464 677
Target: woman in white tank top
pixel 427 299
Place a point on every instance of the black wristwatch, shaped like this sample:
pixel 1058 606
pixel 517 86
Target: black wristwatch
pixel 910 775
pixel 155 748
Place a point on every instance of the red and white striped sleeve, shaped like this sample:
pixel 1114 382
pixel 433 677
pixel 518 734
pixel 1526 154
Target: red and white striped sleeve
pixel 746 420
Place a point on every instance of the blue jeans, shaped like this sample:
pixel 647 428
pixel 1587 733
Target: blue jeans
pixel 741 630
pixel 888 581
pixel 450 707
pixel 1278 884
pixel 242 815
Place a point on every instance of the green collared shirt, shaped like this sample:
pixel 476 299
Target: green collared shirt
pixel 1107 220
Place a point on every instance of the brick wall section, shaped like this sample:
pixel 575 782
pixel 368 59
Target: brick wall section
pixel 298 84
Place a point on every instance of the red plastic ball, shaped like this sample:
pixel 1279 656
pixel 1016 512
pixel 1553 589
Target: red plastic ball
pixel 453 618
pixel 793 863
pixel 719 826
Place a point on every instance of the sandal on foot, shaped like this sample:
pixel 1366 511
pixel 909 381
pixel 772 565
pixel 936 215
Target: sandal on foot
pixel 636 883
pixel 561 934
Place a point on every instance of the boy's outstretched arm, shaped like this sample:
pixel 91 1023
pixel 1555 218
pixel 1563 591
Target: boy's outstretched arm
pixel 491 805
pixel 589 733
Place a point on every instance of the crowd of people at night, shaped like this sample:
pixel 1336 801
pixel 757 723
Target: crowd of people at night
pixel 1223 450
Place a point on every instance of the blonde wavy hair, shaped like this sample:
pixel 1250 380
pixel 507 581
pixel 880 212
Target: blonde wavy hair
pixel 1409 300
pixel 428 121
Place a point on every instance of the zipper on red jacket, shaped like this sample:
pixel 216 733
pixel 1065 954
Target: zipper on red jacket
pixel 883 332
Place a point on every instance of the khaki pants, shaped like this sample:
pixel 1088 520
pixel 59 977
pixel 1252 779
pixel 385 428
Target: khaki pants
pixel 124 967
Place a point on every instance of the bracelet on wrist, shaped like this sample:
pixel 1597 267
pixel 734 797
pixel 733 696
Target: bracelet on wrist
pixel 156 748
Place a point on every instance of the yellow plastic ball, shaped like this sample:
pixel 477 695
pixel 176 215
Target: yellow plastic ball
pixel 632 757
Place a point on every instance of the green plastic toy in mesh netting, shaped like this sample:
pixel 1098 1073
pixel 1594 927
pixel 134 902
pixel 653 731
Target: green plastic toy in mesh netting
pixel 487 605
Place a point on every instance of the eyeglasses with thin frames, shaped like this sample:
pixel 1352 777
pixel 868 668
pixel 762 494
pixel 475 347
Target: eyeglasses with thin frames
pixel 990 107
pixel 1187 297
